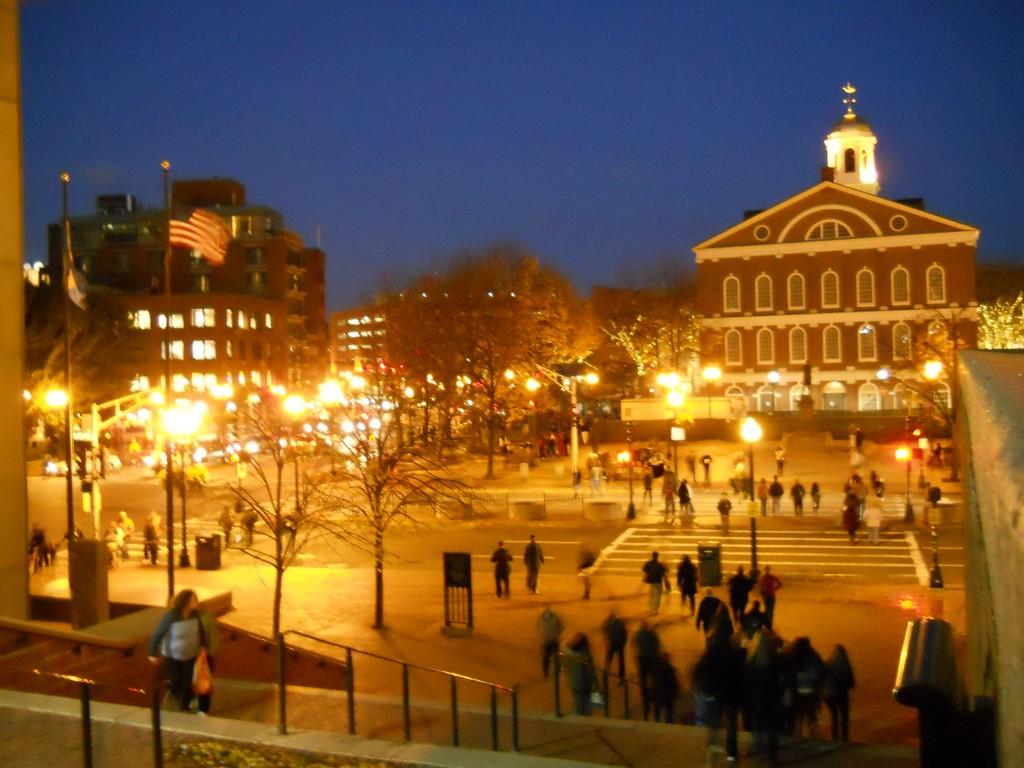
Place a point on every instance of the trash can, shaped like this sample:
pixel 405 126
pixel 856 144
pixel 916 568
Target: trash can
pixel 208 552
pixel 926 677
pixel 709 564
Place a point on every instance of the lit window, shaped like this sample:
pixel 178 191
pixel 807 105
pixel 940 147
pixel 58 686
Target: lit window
pixel 765 346
pixel 227 349
pixel 865 288
pixel 731 294
pixel 229 318
pixel 241 318
pixel 204 349
pixel 798 345
pixel 901 341
pixel 200 283
pixel 900 286
pixel 866 346
pixel 241 226
pixel 733 347
pixel 830 290
pixel 763 292
pixel 256 379
pixel 936 279
pixel 831 346
pixel 256 281
pixel 140 319
pixel 830 229
pixel 268 321
pixel 353 321
pixel 203 318
pixel 177 350
pixel 252 320
pixel 795 286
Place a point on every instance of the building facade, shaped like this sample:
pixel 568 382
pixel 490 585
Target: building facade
pixel 357 337
pixel 256 320
pixel 836 292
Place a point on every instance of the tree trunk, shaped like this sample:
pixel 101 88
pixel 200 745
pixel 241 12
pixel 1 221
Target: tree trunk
pixel 278 589
pixel 378 580
pixel 491 429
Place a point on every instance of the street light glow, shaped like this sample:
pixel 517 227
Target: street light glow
pixel 932 369
pixel 675 398
pixel 903 453
pixel 330 392
pixel 712 373
pixel 773 377
pixel 883 374
pixel 591 378
pixel 532 384
pixel 670 379
pixel 56 398
pixel 182 422
pixel 294 405
pixel 750 430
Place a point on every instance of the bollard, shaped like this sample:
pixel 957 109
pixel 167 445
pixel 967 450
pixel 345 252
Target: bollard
pixel 406 720
pixel 494 718
pixel 515 718
pixel 455 711
pixel 282 705
pixel 158 745
pixel 936 574
pixel 86 726
pixel 350 691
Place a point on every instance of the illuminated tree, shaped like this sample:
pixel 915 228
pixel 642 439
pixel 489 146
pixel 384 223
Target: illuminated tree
pixel 1001 324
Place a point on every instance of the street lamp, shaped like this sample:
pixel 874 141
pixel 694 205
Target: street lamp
pixel 933 369
pixel 751 432
pixel 773 379
pixel 181 423
pixel 626 458
pixel 711 374
pixel 295 407
pixel 903 454
pixel 57 399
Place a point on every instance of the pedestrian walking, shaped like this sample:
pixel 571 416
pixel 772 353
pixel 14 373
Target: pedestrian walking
pixel 177 640
pixel 150 539
pixel 249 519
pixel 648 498
pixel 815 497
pixel 654 576
pixel 664 690
pixel 762 687
pixel 685 501
pixel 211 637
pixel 873 518
pixel 835 692
pixel 780 460
pixel 226 523
pixel 128 527
pixel 705 462
pixel 762 496
pixel 533 558
pixel 769 585
pixel 580 673
pixel 502 560
pixel 797 492
pixel 809 676
pixel 739 593
pixel 709 605
pixel 718 679
pixel 691 464
pixel 724 508
pixel 549 631
pixel 615 635
pixel 753 620
pixel 851 518
pixel 586 567
pixel 686 580
pixel 647 646
pixel 37 547
pixel 668 492
pixel 775 493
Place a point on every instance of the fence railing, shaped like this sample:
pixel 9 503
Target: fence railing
pixel 85 686
pixel 453 679
pixel 605 676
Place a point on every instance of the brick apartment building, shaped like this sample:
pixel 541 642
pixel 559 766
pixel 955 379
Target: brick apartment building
pixel 357 337
pixel 836 278
pixel 255 320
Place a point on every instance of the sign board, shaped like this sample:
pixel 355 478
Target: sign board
pixel 678 434
pixel 458 588
pixel 644 409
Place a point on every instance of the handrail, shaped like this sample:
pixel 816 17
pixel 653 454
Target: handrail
pixel 409 664
pixel 606 674
pixel 89 681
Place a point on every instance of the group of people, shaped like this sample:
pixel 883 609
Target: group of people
pixel 671 489
pixel 533 559
pixel 238 525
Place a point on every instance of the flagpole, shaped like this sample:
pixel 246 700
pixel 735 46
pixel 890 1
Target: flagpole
pixel 169 451
pixel 69 445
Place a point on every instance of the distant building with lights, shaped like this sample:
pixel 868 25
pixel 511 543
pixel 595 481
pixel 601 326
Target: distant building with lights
pixel 256 320
pixel 357 337
pixel 835 281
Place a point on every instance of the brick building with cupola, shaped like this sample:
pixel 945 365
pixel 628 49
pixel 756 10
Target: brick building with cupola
pixel 836 284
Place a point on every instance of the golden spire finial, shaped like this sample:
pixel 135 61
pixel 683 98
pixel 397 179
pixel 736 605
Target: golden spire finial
pixel 850 100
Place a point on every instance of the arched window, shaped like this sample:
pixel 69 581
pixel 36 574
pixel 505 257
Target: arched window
pixel 865 288
pixel 936 280
pixel 763 292
pixel 868 397
pixel 833 396
pixel 941 395
pixel 731 294
pixel 830 229
pixel 901 341
pixel 796 392
pixel 734 391
pixel 900 280
pixel 830 290
pixel 849 161
pixel 797 345
pixel 867 346
pixel 795 289
pixel 832 350
pixel 765 346
pixel 733 347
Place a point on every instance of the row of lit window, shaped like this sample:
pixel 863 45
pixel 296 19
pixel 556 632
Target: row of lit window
pixel 206 349
pixel 199 380
pixel 365 320
pixel 202 317
pixel 771 398
pixel 796 289
pixel 831 345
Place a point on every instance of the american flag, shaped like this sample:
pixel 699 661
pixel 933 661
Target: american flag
pixel 202 231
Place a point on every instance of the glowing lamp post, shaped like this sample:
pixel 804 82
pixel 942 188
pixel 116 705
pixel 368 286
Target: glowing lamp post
pixel 751 433
pixel 626 459
pixel 903 454
pixel 773 379
pixel 181 423
pixel 711 374
pixel 676 400
pixel 295 407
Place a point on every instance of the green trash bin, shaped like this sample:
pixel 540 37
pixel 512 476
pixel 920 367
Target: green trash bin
pixel 709 563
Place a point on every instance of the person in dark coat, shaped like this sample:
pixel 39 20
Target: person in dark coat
pixel 808 676
pixel 648 650
pixel 665 690
pixel 502 560
pixel 586 567
pixel 797 492
pixel 615 636
pixel 775 492
pixel 533 558
pixel 685 502
pixel 686 580
pixel 836 692
pixel 739 593
pixel 851 516
pixel 719 679
pixel 762 689
pixel 580 673
pixel 815 497
pixel 754 620
pixel 709 605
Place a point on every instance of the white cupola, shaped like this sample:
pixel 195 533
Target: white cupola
pixel 850 149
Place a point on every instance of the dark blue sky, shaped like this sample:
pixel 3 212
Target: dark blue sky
pixel 599 134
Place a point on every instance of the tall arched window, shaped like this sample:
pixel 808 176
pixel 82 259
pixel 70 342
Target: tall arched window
pixel 763 292
pixel 901 341
pixel 900 283
pixel 797 345
pixel 731 294
pixel 936 281
pixel 832 350
pixel 867 346
pixel 765 346
pixel 733 347
pixel 795 289
pixel 849 161
pixel 830 290
pixel 865 288
pixel 868 397
pixel 829 229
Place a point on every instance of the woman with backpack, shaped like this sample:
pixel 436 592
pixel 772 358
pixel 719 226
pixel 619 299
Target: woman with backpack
pixel 178 639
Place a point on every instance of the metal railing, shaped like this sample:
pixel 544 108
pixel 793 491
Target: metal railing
pixel 85 686
pixel 606 690
pixel 453 678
